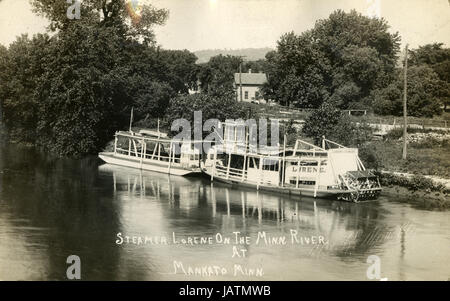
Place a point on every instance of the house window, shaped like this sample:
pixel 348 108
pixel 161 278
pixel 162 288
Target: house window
pixel 246 95
pixel 257 96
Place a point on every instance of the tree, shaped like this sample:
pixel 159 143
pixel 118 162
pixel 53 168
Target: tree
pixel 328 121
pixel 217 76
pixel 212 107
pixel 181 69
pixel 343 59
pixel 83 94
pixel 116 13
pixel 69 93
pixel 424 89
pixel 438 58
pixel 22 65
pixel 321 122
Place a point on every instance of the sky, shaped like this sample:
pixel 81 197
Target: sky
pixel 235 24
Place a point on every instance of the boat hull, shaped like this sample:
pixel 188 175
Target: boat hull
pixel 147 164
pixel 301 191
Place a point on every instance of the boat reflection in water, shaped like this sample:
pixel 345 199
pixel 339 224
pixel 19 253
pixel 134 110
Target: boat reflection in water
pixel 155 205
pixel 51 208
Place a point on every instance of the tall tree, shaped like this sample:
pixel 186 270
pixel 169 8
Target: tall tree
pixel 217 76
pixel 343 59
pixel 21 68
pixel 136 21
pixel 424 89
pixel 69 93
pixel 438 58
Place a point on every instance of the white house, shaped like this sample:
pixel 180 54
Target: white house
pixel 251 84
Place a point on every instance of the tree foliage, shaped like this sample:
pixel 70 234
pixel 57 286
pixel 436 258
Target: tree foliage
pixel 329 122
pixel 132 21
pixel 343 59
pixel 423 91
pixel 437 58
pixel 217 76
pixel 70 92
pixel 220 107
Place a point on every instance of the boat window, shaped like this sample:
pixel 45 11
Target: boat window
pixel 307 182
pixel 254 162
pixel 271 165
pixel 240 134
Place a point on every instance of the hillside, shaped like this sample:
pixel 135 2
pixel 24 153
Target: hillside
pixel 251 54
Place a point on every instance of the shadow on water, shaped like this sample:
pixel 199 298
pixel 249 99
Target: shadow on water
pixel 58 208
pixel 197 206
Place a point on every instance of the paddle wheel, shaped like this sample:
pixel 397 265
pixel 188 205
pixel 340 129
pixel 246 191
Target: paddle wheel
pixel 361 185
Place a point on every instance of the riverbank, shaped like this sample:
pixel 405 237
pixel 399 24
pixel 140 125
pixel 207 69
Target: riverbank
pixel 420 199
pixel 423 179
pixel 417 190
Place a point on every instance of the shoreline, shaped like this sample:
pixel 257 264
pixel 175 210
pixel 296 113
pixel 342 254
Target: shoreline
pixel 427 192
pixel 421 199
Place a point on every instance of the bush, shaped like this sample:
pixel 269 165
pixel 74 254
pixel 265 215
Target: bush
pixel 394 134
pixel 429 142
pixel 212 107
pixel 397 133
pixel 369 157
pixel 416 182
pixel 328 121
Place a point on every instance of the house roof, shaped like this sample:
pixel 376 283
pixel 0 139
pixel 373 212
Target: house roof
pixel 250 78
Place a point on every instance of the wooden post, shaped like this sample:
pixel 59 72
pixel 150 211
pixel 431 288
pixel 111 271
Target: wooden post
pixel 261 158
pixel 159 150
pixel 115 144
pixel 295 147
pixel 298 172
pixel 135 149
pixel 405 114
pixel 213 169
pixel 279 171
pixel 235 138
pixel 154 150
pixel 228 165
pixel 319 165
pixel 142 152
pixel 170 156
pixel 245 158
pixel 283 175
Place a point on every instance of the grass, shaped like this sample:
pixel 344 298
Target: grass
pixel 422 159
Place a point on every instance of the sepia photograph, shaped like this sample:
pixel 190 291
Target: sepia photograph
pixel 231 141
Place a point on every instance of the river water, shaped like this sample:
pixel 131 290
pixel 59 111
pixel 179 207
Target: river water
pixel 124 224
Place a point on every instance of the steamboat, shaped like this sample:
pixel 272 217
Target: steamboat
pixel 329 171
pixel 153 151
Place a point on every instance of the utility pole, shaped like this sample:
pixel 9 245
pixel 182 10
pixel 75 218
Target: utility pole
pixel 405 114
pixel 240 81
pixel 240 77
pixel 131 119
